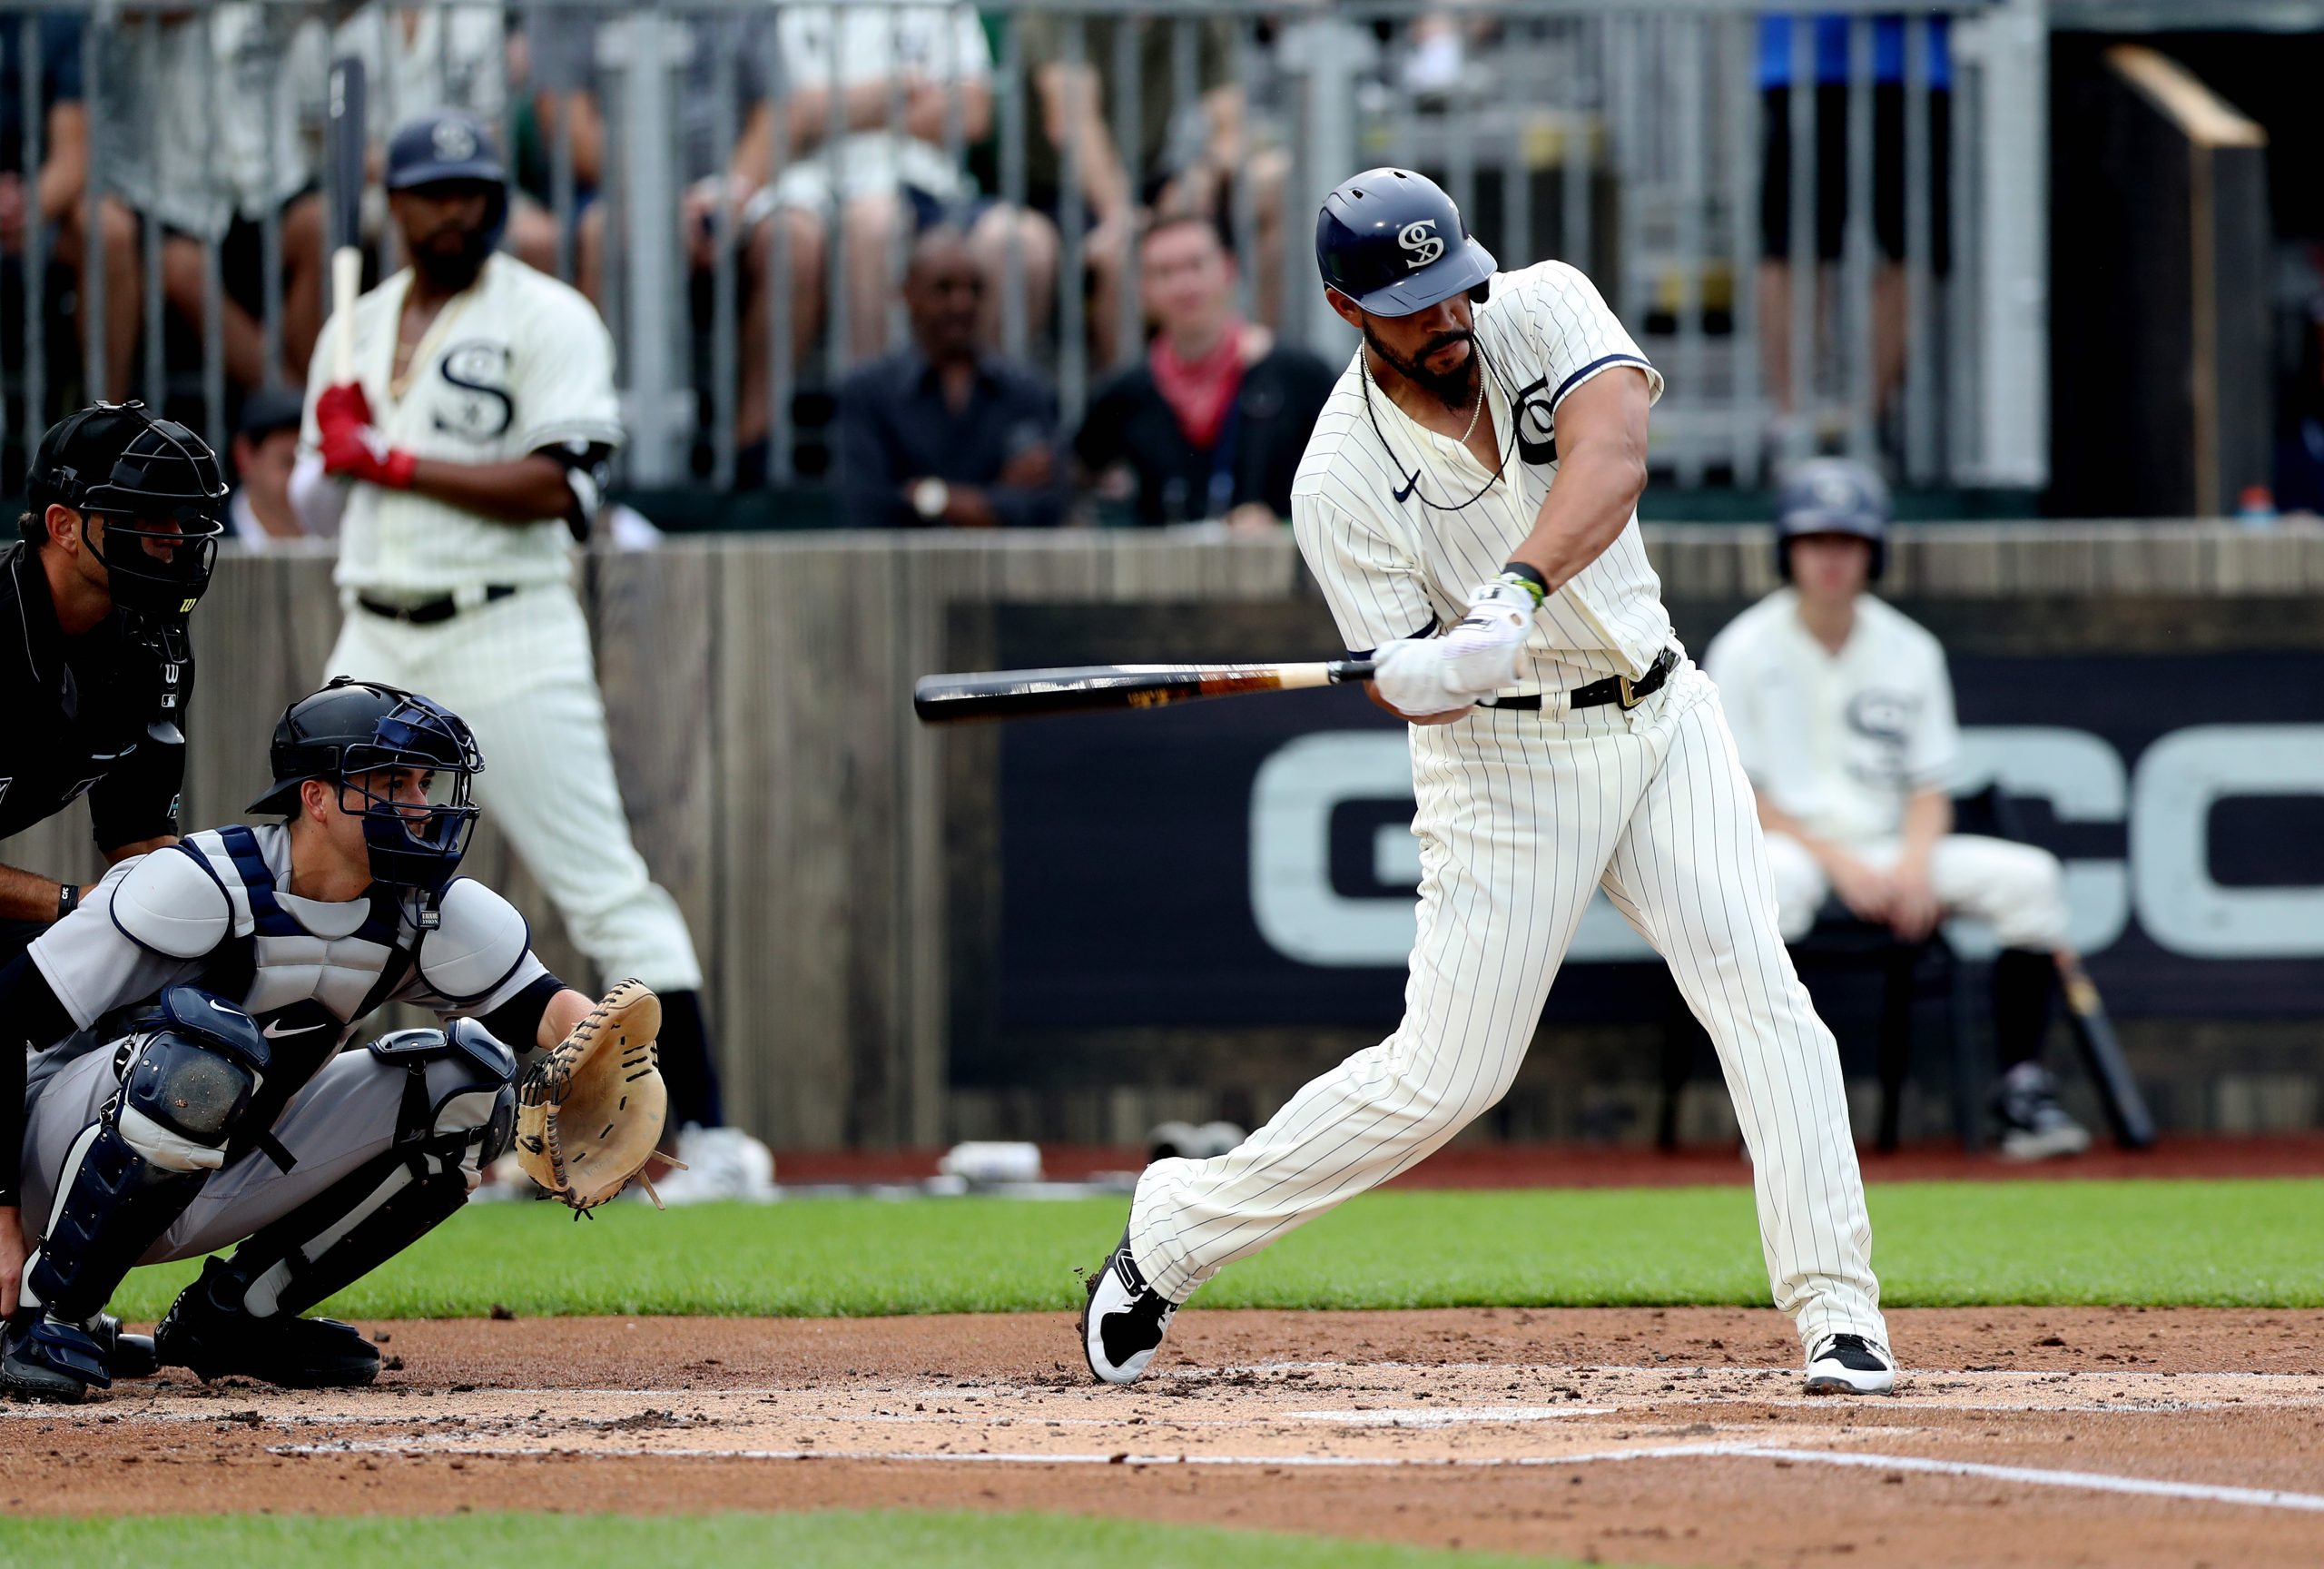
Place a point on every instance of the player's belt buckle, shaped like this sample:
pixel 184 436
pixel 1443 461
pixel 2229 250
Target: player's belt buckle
pixel 1630 698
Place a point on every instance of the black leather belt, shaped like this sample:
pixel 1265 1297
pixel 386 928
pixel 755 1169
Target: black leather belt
pixel 427 612
pixel 1619 689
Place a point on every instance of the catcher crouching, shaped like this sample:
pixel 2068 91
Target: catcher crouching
pixel 190 1090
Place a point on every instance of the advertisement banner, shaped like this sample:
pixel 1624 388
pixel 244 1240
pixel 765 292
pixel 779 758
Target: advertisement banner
pixel 1249 862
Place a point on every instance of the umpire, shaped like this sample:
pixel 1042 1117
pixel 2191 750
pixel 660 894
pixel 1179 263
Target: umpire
pixel 117 544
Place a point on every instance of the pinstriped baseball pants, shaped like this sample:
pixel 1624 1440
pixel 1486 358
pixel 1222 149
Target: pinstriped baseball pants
pixel 1521 817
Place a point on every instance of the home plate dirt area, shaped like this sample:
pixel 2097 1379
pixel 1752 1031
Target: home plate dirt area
pixel 1670 1436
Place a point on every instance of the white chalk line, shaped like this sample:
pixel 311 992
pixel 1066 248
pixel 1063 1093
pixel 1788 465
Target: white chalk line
pixel 946 1456
pixel 2022 1476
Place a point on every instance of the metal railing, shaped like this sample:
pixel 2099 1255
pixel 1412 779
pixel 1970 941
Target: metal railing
pixel 1627 138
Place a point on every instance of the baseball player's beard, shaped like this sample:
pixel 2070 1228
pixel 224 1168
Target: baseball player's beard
pixel 1455 389
pixel 451 269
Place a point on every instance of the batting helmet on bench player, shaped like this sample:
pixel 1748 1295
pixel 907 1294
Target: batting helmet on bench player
pixel 1832 495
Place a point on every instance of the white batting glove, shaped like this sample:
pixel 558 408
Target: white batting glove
pixel 1410 675
pixel 1475 660
pixel 1482 651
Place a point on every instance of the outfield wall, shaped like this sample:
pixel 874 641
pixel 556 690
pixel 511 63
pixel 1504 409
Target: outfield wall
pixel 848 876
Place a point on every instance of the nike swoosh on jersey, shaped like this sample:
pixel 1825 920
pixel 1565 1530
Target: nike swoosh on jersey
pixel 1410 485
pixel 274 1031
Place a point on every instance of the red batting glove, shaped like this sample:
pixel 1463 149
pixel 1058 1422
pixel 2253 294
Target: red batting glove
pixel 344 404
pixel 353 448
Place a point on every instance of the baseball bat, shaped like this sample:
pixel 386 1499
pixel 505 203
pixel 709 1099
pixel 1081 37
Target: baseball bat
pixel 2102 1054
pixel 1023 694
pixel 346 150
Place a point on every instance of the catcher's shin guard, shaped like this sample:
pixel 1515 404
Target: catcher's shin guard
pixel 186 1088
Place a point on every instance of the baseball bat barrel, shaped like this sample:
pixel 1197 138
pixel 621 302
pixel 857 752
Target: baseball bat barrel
pixel 346 131
pixel 1089 688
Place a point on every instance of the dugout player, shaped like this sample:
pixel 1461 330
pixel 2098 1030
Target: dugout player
pixel 1468 504
pixel 117 541
pixel 190 1092
pixel 460 464
pixel 1843 715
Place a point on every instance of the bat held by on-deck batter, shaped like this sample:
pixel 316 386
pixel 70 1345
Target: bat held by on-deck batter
pixel 1021 693
pixel 346 150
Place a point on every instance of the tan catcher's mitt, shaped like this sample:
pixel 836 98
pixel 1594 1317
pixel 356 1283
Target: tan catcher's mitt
pixel 590 1110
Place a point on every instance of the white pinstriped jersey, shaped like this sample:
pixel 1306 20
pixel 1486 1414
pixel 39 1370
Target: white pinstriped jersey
pixel 516 362
pixel 1393 565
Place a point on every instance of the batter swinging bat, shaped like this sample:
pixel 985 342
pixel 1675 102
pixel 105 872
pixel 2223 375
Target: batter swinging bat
pixel 346 149
pixel 1021 693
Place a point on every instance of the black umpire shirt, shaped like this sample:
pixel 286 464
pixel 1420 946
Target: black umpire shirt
pixel 72 719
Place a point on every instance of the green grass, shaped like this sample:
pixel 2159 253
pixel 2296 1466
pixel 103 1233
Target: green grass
pixel 2256 1243
pixel 801 1540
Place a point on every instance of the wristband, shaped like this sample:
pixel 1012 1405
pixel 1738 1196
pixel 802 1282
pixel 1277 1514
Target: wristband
pixel 1530 579
pixel 68 899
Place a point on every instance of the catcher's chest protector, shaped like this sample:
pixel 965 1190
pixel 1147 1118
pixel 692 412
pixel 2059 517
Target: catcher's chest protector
pixel 306 970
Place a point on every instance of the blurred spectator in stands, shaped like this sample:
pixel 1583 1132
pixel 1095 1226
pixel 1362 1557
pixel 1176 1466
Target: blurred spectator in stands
pixel 943 432
pixel 557 96
pixel 416 58
pixel 1212 424
pixel 1830 50
pixel 52 195
pixel 198 118
pixel 1188 159
pixel 258 514
pixel 907 77
pixel 744 173
pixel 1842 713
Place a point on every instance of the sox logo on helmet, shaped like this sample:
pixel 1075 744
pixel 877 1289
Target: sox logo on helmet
pixel 1419 237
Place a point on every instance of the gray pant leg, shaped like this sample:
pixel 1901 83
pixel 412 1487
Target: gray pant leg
pixel 62 1098
pixel 343 1119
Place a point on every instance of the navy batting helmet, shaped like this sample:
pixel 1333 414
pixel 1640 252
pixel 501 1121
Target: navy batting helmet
pixel 1832 495
pixel 1393 241
pixel 447 146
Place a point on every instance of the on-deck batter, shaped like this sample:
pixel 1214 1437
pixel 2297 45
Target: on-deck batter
pixel 1561 742
pixel 476 433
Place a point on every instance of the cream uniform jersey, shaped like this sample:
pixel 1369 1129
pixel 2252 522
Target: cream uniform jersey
pixel 516 363
pixel 1376 503
pixel 1839 741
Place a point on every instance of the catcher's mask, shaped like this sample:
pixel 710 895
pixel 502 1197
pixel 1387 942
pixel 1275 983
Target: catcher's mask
pixel 351 732
pixel 156 484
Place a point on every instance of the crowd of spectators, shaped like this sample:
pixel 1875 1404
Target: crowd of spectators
pixel 818 147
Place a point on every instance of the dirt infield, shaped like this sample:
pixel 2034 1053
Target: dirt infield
pixel 1673 1436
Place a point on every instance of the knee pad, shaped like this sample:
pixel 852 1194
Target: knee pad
pixel 460 1100
pixel 183 1097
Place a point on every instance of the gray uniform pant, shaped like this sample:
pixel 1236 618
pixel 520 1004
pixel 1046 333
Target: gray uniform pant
pixel 346 1116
